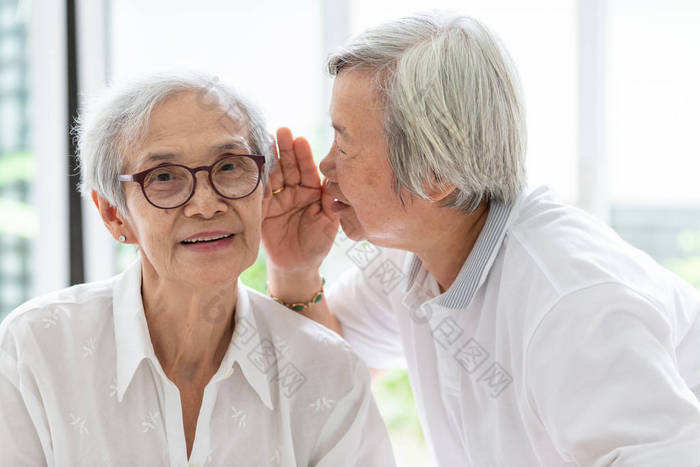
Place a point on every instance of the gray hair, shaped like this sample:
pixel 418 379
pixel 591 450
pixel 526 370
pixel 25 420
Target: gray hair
pixel 118 120
pixel 452 106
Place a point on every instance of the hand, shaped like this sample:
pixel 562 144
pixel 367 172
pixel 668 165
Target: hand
pixel 298 226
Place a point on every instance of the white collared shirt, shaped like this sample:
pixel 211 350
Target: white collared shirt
pixel 557 345
pixel 80 385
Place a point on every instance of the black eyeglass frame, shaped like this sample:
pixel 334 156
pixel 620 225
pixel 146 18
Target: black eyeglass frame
pixel 140 177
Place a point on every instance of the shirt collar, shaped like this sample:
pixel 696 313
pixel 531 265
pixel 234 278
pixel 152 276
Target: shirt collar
pixel 475 269
pixel 133 341
pixel 247 340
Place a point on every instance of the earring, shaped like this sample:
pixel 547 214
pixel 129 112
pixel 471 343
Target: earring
pixel 122 238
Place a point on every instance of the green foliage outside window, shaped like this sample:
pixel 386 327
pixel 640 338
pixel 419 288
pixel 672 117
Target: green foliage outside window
pixel 688 265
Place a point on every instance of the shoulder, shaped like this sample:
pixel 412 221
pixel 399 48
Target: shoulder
pixel 604 302
pixel 563 260
pixel 83 305
pixel 569 249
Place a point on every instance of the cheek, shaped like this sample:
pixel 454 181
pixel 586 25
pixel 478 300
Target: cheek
pixel 361 182
pixel 252 230
pixel 156 234
pixel 251 215
pixel 150 225
pixel 351 180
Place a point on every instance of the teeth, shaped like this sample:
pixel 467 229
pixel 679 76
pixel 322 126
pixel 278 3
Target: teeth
pixel 195 240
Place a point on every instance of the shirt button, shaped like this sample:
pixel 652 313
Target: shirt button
pixel 193 465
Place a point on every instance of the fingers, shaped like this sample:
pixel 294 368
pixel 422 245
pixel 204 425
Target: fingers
pixel 306 164
pixel 287 158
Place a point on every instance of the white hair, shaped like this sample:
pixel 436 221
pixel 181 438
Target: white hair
pixel 451 102
pixel 118 120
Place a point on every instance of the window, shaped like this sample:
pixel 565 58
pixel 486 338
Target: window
pixel 652 124
pixel 643 104
pixel 16 163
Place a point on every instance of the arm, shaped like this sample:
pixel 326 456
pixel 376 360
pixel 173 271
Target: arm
pixel 298 228
pixel 354 434
pixel 603 379
pixel 296 286
pixel 320 312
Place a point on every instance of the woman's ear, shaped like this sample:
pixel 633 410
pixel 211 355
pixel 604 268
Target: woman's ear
pixel 113 219
pixel 438 191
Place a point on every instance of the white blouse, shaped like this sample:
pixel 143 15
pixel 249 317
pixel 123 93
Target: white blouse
pixel 80 385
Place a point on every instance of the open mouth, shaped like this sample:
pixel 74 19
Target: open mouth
pixel 197 241
pixel 338 205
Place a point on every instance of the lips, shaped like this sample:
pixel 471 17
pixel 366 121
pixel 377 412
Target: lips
pixel 338 203
pixel 209 242
pixel 207 237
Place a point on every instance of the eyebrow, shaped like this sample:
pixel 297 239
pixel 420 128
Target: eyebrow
pixel 342 131
pixel 231 147
pixel 237 142
pixel 168 156
pixel 152 157
pixel 339 128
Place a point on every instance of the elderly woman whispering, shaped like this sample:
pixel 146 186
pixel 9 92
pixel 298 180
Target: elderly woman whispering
pixel 174 361
pixel 533 335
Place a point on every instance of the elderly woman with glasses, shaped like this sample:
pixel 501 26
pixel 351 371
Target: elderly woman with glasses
pixel 174 361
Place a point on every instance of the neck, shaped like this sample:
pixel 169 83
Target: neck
pixel 451 242
pixel 190 327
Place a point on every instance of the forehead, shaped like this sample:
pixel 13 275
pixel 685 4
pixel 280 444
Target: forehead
pixel 188 125
pixel 354 90
pixel 355 110
pixel 189 114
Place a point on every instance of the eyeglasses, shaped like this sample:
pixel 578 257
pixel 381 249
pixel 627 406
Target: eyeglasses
pixel 169 186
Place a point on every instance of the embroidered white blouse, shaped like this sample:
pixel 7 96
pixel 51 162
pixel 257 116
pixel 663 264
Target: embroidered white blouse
pixel 80 385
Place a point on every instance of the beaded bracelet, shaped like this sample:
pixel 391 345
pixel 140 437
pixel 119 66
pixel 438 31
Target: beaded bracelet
pixel 300 306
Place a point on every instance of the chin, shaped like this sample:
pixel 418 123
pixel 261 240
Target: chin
pixel 213 274
pixel 353 230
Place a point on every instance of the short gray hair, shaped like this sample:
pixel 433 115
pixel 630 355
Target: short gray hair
pixel 452 106
pixel 119 117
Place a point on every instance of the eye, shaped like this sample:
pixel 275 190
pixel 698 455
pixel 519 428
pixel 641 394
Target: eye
pixel 335 147
pixel 166 176
pixel 340 151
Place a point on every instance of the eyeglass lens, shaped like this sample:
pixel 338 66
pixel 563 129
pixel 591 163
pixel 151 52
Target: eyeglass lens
pixel 170 186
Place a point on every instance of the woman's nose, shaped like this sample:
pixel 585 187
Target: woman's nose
pixel 205 200
pixel 327 166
